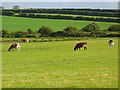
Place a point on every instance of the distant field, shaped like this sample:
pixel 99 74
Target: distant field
pixel 73 15
pixel 56 65
pixel 22 24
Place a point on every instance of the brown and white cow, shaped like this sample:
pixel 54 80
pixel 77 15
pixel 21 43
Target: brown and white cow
pixel 80 45
pixel 14 45
pixel 111 43
pixel 25 40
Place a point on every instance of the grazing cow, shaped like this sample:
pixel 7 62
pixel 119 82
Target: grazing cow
pixel 25 40
pixel 111 43
pixel 80 45
pixel 14 45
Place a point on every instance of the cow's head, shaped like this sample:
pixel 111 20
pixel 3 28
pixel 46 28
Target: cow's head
pixel 74 48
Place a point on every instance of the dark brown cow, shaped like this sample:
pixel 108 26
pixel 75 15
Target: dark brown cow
pixel 14 45
pixel 80 45
pixel 25 40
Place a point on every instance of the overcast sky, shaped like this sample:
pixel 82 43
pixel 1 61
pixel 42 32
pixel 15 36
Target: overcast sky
pixel 59 0
pixel 96 5
pixel 104 4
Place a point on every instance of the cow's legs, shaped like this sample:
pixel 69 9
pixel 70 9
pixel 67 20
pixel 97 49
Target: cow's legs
pixel 18 47
pixel 110 45
pixel 85 48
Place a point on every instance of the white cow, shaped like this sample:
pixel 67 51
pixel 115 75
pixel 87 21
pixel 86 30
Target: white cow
pixel 111 43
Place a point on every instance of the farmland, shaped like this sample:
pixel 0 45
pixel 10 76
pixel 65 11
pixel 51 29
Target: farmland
pixel 49 61
pixel 69 15
pixel 22 24
pixel 56 65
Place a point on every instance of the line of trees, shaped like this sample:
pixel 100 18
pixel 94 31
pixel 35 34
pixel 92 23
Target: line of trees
pixel 89 12
pixel 32 15
pixel 91 30
pixel 8 13
pixel 69 17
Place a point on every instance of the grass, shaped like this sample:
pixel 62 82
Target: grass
pixel 56 65
pixel 22 24
pixel 71 15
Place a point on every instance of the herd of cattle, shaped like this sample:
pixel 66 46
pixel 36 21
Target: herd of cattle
pixel 77 46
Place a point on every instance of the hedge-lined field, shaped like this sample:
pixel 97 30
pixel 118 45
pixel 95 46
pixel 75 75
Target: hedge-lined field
pixel 22 24
pixel 56 65
pixel 72 15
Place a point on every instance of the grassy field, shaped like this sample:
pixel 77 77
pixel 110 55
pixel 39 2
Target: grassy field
pixel 56 65
pixel 71 15
pixel 22 24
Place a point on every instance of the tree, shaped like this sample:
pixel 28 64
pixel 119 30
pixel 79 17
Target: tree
pixel 29 30
pixel 8 13
pixel 5 33
pixel 70 31
pixel 58 34
pixel 45 31
pixel 114 28
pixel 19 34
pixel 91 27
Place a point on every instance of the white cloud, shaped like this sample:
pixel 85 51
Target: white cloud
pixel 59 0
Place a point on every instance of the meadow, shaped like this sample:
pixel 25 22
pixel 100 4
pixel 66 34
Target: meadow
pixel 56 65
pixel 70 15
pixel 13 24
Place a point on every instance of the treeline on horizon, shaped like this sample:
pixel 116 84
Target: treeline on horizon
pixel 90 30
pixel 30 13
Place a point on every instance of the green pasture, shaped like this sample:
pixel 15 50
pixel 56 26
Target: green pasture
pixel 22 24
pixel 70 15
pixel 73 15
pixel 56 65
